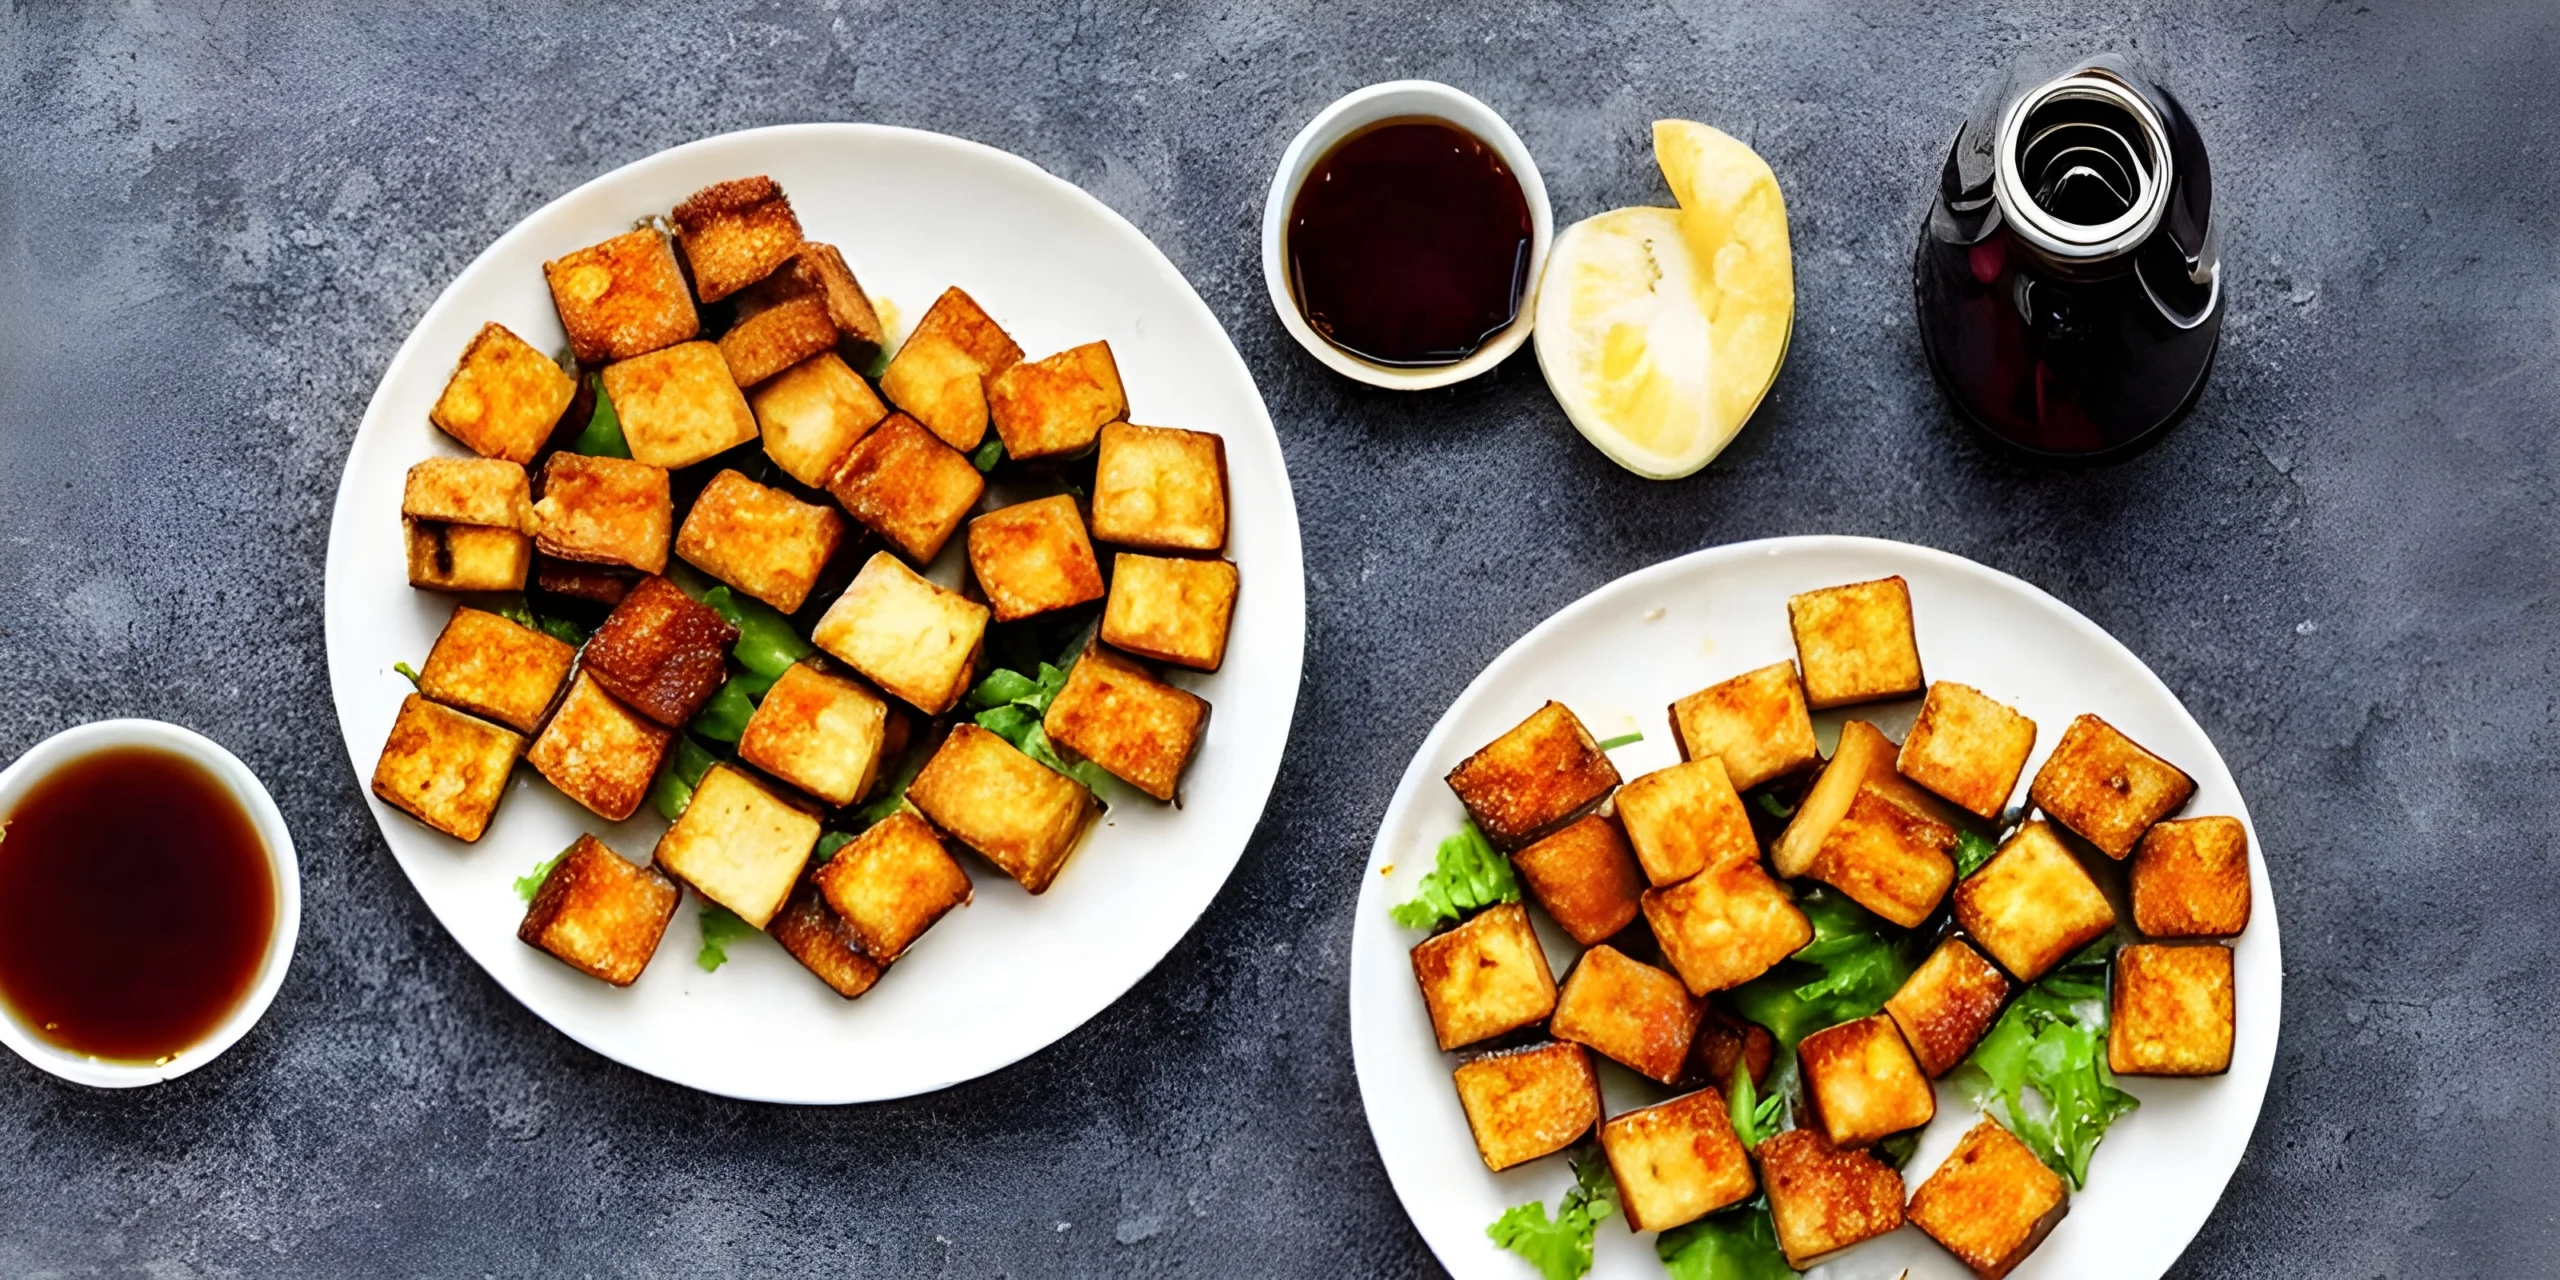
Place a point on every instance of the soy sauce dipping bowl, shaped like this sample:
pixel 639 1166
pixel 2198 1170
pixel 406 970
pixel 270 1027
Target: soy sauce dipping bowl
pixel 1348 115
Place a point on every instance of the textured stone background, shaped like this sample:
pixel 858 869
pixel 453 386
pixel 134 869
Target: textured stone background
pixel 216 224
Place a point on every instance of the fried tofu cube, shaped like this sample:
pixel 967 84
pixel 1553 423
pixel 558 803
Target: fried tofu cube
pixel 823 942
pixel 761 345
pixel 940 373
pixel 1855 642
pixel 1991 1203
pixel 1485 977
pixel 445 768
pixel 1535 777
pixel 1160 488
pixel 1016 812
pixel 495 669
pixel 597 583
pixel 1117 714
pixel 599 913
pixel 1677 1161
pixel 599 752
pixel 1171 609
pixel 504 397
pixel 1824 1198
pixel 1586 878
pixel 1055 406
pixel 679 405
pixel 2106 788
pixel 605 511
pixel 1947 1005
pixel 1967 748
pixel 735 233
pixel 908 487
pixel 1529 1102
pixel 1890 858
pixel 1725 925
pixel 1755 722
pixel 739 844
pixel 2191 879
pixel 661 651
pixel 1863 759
pixel 2171 1011
pixel 622 298
pixel 1034 558
pixel 760 540
pixel 892 883
pixel 490 493
pixel 811 415
pixel 821 733
pixel 915 640
pixel 1628 1012
pixel 1685 819
pixel 1862 1082
pixel 820 269
pixel 1725 1042
pixel 464 557
pixel 2033 904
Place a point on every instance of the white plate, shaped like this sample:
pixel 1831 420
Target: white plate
pixel 913 212
pixel 1618 657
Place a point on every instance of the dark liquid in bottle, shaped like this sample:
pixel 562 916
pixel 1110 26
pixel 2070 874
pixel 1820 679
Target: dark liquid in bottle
pixel 136 902
pixel 1409 244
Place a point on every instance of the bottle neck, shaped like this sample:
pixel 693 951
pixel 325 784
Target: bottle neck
pixel 2083 170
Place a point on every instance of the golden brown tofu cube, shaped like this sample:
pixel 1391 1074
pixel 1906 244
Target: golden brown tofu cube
pixel 1529 1102
pixel 605 511
pixel 907 486
pixel 2172 1011
pixel 1171 609
pixel 504 398
pixel 1116 714
pixel 2191 879
pixel 1756 723
pixel 1862 1082
pixel 1824 1198
pixel 1890 858
pixel 1534 778
pixel 1725 1042
pixel 821 733
pixel 1485 977
pixel 776 338
pixel 820 269
pixel 622 298
pixel 914 639
pixel 1034 558
pixel 1991 1203
pixel 1685 819
pixel 1055 406
pixel 735 233
pixel 823 942
pixel 1967 748
pixel 1677 1161
pixel 739 844
pixel 1947 1005
pixel 464 557
pixel 661 651
pixel 679 406
pixel 940 373
pixel 599 752
pixel 1855 642
pixel 494 669
pixel 1160 488
pixel 760 540
pixel 599 913
pixel 1586 878
pixel 490 493
pixel 602 584
pixel 1628 1012
pixel 1725 926
pixel 1016 812
pixel 444 768
pixel 1864 758
pixel 2033 904
pixel 892 883
pixel 811 415
pixel 2106 788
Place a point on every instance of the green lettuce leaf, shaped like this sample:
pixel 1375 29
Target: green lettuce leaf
pixel 989 455
pixel 1011 706
pixel 1736 1244
pixel 828 846
pixel 1469 875
pixel 720 927
pixel 673 789
pixel 1972 851
pixel 602 436
pixel 530 883
pixel 2052 1040
pixel 1853 965
pixel 1755 1119
pixel 1560 1247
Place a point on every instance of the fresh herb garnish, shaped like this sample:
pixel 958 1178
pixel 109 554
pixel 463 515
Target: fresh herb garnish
pixel 987 457
pixel 1898 1149
pixel 602 436
pixel 1755 1119
pixel 720 927
pixel 687 761
pixel 565 630
pixel 768 644
pixel 1469 876
pixel 2052 1039
pixel 1972 850
pixel 1771 805
pixel 1560 1247
pixel 828 845
pixel 530 883
pixel 1853 965
pixel 407 670
pixel 1622 740
pixel 1736 1244
pixel 1010 705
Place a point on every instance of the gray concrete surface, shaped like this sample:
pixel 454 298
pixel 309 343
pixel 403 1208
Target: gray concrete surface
pixel 217 222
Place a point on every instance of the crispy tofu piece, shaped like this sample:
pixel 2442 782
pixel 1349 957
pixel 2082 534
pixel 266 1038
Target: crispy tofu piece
pixel 1824 1198
pixel 504 397
pixel 811 415
pixel 735 233
pixel 821 733
pixel 444 768
pixel 2033 904
pixel 1534 778
pixel 819 270
pixel 622 298
pixel 463 557
pixel 892 883
pixel 1889 857
pixel 1864 758
pixel 679 405
pixel 1755 722
pixel 1033 558
pixel 760 540
pixel 1947 1005
pixel 1967 748
pixel 939 375
pixel 739 844
pixel 1855 642
pixel 1160 488
pixel 823 942
pixel 776 338
pixel 496 670
pixel 1055 406
pixel 2171 1011
pixel 1677 1161
pixel 661 651
pixel 1016 812
pixel 907 486
pixel 1991 1203
pixel 490 493
pixel 1117 714
pixel 1628 1012
pixel 1586 878
pixel 915 640
pixel 1171 609
pixel 1725 1042
pixel 1685 819
pixel 1862 1082
pixel 1528 1103
pixel 601 584
pixel 599 752
pixel 2106 788
pixel 1485 977
pixel 599 913
pixel 605 511
pixel 1725 925
pixel 2191 879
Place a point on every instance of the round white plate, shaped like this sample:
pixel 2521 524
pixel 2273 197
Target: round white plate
pixel 913 212
pixel 1619 657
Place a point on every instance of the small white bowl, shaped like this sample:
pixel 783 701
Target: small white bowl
pixel 71 744
pixel 1355 111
